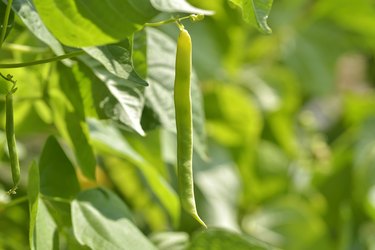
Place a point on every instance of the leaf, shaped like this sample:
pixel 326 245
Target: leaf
pixel 256 12
pixel 30 17
pixel 219 239
pixel 42 228
pixel 117 59
pixel 100 22
pixel 178 6
pixel 102 221
pixel 57 174
pixel 160 92
pixel 126 98
pixel 107 139
pixel 72 121
pixel 33 195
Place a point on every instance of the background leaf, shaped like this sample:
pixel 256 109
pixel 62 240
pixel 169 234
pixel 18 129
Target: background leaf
pixel 101 22
pixel 256 12
pixel 178 6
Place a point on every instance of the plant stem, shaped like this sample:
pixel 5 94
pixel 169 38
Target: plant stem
pixel 24 48
pixel 171 20
pixel 5 22
pixel 14 202
pixel 52 59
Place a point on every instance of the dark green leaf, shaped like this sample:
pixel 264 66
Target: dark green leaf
pixel 126 98
pixel 57 174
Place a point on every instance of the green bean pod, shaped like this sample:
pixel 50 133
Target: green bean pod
pixel 184 124
pixel 11 141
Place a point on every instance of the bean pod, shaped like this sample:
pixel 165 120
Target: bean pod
pixel 184 124
pixel 11 140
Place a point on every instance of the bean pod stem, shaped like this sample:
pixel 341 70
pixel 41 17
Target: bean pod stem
pixel 184 124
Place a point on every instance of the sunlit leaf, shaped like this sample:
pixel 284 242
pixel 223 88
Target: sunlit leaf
pixel 100 22
pixel 256 12
pixel 178 6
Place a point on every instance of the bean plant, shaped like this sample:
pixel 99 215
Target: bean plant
pixel 186 124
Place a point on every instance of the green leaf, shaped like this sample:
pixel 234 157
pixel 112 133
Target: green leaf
pixel 102 221
pixel 42 228
pixel 117 59
pixel 73 122
pixel 256 12
pixel 178 6
pixel 107 139
pixel 30 17
pixel 220 239
pixel 100 22
pixel 57 174
pixel 126 98
pixel 161 71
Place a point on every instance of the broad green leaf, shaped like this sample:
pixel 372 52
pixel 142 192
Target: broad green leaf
pixel 26 11
pixel 220 239
pixel 57 174
pixel 125 101
pixel 45 234
pixel 178 6
pixel 79 23
pixel 117 59
pixel 102 221
pixel 160 92
pixel 107 139
pixel 256 12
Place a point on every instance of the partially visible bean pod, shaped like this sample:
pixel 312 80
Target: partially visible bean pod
pixel 11 140
pixel 184 125
pixel 7 88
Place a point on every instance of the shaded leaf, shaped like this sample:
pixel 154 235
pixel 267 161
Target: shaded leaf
pixel 57 174
pixel 126 98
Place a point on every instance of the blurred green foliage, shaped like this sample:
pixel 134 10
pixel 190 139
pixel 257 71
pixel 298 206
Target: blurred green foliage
pixel 289 119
